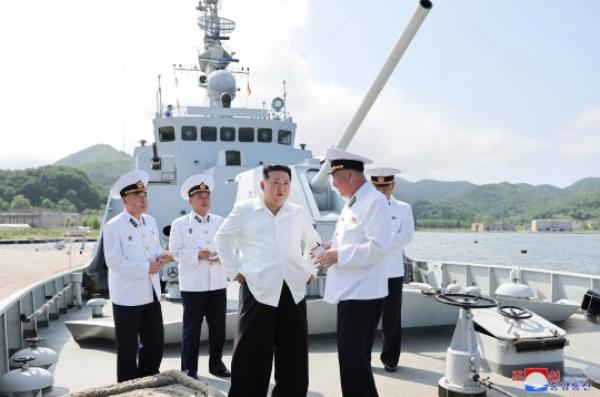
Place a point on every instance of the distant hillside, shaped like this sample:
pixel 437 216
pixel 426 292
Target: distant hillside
pixel 102 163
pixel 503 200
pixel 50 186
pixel 584 185
pixel 458 204
pixel 428 190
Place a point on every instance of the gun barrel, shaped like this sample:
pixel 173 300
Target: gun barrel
pixel 320 181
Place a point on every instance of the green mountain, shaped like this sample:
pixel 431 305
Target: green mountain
pixel 102 163
pixel 584 185
pixel 458 204
pixel 50 186
pixel 504 200
pixel 428 190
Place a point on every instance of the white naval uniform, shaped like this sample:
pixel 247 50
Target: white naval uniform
pixel 362 238
pixel 129 247
pixel 188 237
pixel 270 248
pixel 403 228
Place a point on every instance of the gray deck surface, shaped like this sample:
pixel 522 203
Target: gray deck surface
pixel 422 361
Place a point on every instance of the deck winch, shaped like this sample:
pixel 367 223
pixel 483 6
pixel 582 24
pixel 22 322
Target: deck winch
pixel 97 303
pixel 515 288
pixel 25 381
pixel 43 357
pixel 512 338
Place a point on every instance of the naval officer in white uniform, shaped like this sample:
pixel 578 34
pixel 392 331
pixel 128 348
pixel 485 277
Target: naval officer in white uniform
pixel 202 278
pixel 356 275
pixel 269 233
pixel 134 258
pixel 403 227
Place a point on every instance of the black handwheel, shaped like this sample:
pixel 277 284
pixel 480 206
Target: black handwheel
pixel 466 301
pixel 516 312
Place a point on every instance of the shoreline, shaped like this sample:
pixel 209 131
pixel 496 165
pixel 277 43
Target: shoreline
pixel 49 239
pixel 46 240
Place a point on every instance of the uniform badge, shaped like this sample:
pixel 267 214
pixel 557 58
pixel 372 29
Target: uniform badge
pixel 354 219
pixel 190 230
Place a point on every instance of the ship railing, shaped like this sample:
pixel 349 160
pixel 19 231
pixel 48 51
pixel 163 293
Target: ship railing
pixel 25 311
pixel 547 285
pixel 235 113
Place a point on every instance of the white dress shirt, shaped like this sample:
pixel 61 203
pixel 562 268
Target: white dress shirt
pixel 403 228
pixel 270 248
pixel 129 247
pixel 362 237
pixel 190 234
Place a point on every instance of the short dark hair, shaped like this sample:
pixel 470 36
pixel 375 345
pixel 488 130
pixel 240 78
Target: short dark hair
pixel 276 167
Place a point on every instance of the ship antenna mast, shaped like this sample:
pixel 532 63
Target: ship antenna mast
pixel 284 100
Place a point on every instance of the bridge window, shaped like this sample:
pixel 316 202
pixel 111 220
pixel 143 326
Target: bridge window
pixel 166 134
pixel 189 133
pixel 233 157
pixel 208 134
pixel 227 134
pixel 246 134
pixel 265 135
pixel 285 137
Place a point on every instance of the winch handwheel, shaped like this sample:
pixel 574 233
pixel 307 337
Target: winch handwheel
pixel 516 312
pixel 466 301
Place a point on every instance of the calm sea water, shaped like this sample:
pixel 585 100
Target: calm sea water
pixel 579 253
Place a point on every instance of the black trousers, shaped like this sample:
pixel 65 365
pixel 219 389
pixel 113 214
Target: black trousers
pixel 262 331
pixel 139 337
pixel 196 306
pixel 391 322
pixel 356 326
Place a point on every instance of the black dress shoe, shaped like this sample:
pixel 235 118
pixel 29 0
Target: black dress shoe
pixel 221 373
pixel 389 368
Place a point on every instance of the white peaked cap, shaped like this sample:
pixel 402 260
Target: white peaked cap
pixel 131 178
pixel 382 171
pixel 196 183
pixel 333 153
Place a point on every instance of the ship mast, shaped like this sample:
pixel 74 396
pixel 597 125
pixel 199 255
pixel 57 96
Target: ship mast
pixel 213 62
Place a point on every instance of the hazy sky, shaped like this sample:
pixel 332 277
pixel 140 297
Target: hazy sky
pixel 489 91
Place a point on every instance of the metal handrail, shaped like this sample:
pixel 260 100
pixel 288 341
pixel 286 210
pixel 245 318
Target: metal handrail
pixel 46 305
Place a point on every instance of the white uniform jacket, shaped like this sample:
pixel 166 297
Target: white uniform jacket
pixel 190 234
pixel 270 248
pixel 129 247
pixel 403 228
pixel 362 237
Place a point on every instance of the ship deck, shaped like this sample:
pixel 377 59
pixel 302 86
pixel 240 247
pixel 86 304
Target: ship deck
pixel 422 362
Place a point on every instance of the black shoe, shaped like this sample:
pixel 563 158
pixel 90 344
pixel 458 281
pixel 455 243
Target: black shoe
pixel 194 376
pixel 390 368
pixel 221 373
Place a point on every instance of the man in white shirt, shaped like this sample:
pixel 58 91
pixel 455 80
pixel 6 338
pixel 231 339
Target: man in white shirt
pixel 134 258
pixel 202 278
pixel 403 227
pixel 356 276
pixel 269 233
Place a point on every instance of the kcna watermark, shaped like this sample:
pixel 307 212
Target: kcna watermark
pixel 540 380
